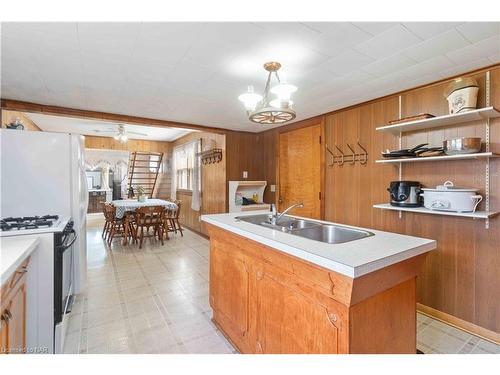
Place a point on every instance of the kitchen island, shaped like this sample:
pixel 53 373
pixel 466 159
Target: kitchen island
pixel 276 292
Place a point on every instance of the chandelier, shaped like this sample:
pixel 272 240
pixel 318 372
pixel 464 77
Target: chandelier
pixel 265 110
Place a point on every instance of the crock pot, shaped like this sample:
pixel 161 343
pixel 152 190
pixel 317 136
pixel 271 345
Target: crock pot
pixel 447 197
pixel 405 193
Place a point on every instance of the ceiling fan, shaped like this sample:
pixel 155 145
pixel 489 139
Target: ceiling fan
pixel 121 134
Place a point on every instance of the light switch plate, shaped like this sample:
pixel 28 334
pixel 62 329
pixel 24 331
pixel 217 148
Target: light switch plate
pixel 245 174
pixel 273 188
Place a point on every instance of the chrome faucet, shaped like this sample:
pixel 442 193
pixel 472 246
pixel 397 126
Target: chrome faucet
pixel 275 217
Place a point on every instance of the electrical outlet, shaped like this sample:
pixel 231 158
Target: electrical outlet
pixel 273 188
pixel 245 174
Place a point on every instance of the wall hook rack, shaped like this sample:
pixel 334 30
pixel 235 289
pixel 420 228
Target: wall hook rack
pixel 341 158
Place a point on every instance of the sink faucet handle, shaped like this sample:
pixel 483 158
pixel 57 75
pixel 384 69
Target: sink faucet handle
pixel 272 209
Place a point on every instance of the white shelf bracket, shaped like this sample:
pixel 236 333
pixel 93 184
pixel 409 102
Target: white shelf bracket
pixel 400 172
pixel 487 142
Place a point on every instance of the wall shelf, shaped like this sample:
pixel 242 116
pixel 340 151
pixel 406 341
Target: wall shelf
pixel 480 155
pixel 441 121
pixel 423 210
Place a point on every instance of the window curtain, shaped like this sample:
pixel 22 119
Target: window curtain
pixel 196 198
pixel 173 177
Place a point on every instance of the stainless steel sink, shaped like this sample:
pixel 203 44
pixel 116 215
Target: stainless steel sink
pixel 328 233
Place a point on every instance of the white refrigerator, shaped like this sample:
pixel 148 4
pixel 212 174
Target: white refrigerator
pixel 43 173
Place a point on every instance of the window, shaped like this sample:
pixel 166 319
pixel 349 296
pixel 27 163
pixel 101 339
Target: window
pixel 185 157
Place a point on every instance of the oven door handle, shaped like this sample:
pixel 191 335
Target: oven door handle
pixel 70 240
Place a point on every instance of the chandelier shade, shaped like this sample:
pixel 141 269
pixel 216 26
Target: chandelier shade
pixel 263 109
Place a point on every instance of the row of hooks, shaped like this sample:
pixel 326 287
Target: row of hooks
pixel 352 158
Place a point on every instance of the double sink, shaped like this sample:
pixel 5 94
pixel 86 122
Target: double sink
pixel 313 230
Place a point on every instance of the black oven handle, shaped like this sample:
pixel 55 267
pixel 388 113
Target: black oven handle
pixel 69 241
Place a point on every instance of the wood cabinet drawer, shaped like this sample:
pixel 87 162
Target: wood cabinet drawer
pixel 17 277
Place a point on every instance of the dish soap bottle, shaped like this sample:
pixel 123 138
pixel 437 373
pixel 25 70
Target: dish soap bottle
pixel 255 197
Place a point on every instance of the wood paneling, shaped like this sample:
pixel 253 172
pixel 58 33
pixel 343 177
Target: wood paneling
pixel 459 278
pixel 243 154
pixel 300 170
pixel 10 116
pixel 213 184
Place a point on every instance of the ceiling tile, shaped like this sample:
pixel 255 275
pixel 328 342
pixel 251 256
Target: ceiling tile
pixel 339 37
pixel 476 31
pixel 375 28
pixel 388 43
pixel 164 70
pixel 389 65
pixel 427 30
pixel 347 62
pixel 475 51
pixel 433 65
pixel 438 45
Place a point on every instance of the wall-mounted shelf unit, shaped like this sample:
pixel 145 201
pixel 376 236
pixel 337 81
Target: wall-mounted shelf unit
pixel 479 155
pixel 423 210
pixel 247 189
pixel 441 121
pixel 452 120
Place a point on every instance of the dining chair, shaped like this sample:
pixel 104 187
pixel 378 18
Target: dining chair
pixel 146 218
pixel 172 223
pixel 115 227
pixel 107 220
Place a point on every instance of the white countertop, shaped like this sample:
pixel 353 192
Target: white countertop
pixel 13 251
pixel 353 259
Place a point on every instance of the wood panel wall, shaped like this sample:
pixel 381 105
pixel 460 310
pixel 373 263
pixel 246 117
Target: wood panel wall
pixel 460 278
pixel 213 184
pixel 10 116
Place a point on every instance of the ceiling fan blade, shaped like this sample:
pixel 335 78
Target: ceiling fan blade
pixel 104 131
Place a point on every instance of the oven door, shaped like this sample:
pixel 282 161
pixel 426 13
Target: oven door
pixel 63 286
pixel 63 275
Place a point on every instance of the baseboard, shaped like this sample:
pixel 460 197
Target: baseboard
pixel 195 231
pixel 471 328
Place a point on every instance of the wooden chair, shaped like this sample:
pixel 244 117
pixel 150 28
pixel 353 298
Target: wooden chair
pixel 108 220
pixel 146 218
pixel 114 227
pixel 172 223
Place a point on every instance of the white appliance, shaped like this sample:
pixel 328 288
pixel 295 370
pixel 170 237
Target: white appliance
pixel 447 197
pixel 44 173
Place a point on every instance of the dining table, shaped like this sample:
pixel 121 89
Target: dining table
pixel 126 206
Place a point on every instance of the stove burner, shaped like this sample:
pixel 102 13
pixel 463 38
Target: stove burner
pixel 27 222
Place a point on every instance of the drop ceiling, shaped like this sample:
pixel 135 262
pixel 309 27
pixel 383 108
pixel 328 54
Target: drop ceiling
pixel 104 129
pixel 194 72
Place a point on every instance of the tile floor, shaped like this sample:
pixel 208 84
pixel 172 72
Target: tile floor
pixel 155 300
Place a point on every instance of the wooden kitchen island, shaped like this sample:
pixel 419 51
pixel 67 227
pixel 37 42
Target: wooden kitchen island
pixel 267 299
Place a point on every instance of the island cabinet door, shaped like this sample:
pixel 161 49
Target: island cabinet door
pixel 290 319
pixel 229 291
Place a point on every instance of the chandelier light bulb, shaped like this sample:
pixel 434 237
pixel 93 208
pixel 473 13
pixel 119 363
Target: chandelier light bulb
pixel 250 99
pixel 279 103
pixel 284 90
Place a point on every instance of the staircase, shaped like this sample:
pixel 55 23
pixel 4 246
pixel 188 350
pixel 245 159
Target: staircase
pixel 143 171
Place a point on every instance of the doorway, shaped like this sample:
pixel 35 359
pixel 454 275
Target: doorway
pixel 299 170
